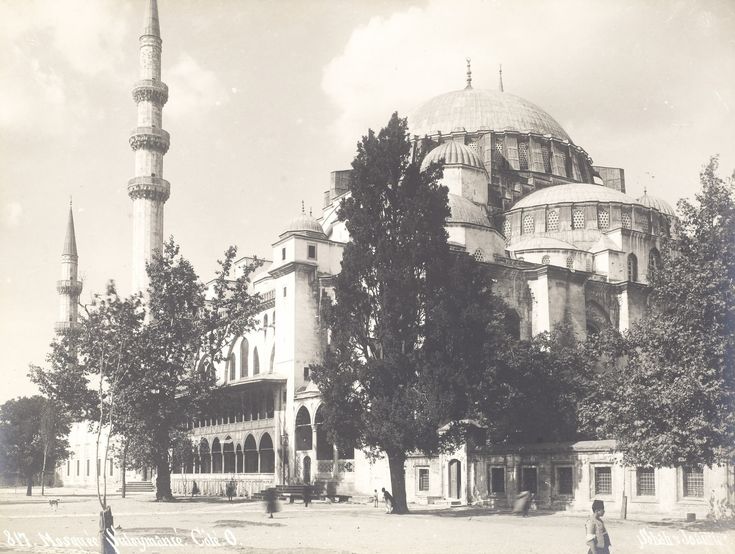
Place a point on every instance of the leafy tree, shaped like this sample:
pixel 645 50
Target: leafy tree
pixel 410 324
pixel 23 423
pixel 669 400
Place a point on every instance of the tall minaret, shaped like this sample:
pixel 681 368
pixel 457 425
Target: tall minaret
pixel 69 286
pixel 148 190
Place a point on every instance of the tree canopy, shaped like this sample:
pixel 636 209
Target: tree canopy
pixel 667 394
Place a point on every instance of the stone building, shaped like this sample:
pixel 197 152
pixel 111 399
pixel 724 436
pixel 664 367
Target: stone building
pixel 563 241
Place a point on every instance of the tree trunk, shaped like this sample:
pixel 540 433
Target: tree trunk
pixel 397 463
pixel 29 483
pixel 43 470
pixel 163 481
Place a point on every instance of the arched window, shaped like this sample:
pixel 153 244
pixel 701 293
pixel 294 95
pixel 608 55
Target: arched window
pixel 238 460
pixel 205 458
pixel 228 454
pixel 632 267
pixel 654 261
pixel 528 224
pixel 250 451
pixel 324 448
pixel 256 361
pixel 552 220
pixel 570 262
pixel 546 260
pixel 231 366
pixel 303 429
pixel 267 456
pixel 273 359
pixel 265 324
pixel 244 353
pixel 578 219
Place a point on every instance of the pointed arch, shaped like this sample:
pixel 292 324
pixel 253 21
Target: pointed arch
pixel 267 455
pixel 256 361
pixel 324 447
pixel 216 456
pixel 273 359
pixel 231 366
pixel 228 455
pixel 250 452
pixel 205 459
pixel 632 267
pixel 238 460
pixel 303 429
pixel 244 353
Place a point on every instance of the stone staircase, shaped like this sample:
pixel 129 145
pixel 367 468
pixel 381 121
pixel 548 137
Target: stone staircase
pixel 137 486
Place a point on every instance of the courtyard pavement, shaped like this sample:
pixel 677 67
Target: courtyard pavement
pixel 215 525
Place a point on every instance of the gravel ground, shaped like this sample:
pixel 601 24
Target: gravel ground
pixel 216 525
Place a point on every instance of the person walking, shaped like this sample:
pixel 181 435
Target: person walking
pixel 598 541
pixel 270 501
pixel 375 498
pixel 307 495
pixel 388 499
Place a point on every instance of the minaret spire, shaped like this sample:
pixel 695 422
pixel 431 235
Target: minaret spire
pixel 148 189
pixel 69 286
pixel 500 78
pixel 469 74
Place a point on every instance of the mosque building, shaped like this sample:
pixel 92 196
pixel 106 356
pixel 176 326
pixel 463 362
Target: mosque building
pixel 562 239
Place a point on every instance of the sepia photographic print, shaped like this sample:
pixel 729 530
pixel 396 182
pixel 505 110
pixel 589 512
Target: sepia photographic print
pixel 434 276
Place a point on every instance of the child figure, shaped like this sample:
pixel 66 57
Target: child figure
pixel 388 498
pixel 375 498
pixel 597 538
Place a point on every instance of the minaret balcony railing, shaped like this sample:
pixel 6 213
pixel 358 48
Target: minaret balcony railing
pixel 150 188
pixel 71 287
pixel 150 138
pixel 150 90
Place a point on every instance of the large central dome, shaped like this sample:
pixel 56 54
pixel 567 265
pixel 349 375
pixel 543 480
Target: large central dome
pixel 487 110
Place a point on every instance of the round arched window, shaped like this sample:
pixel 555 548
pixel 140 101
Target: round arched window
pixel 546 260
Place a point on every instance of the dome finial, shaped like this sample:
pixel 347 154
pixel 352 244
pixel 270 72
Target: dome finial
pixel 469 74
pixel 500 73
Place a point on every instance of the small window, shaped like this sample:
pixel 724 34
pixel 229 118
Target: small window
pixel 423 479
pixel 523 154
pixel 507 228
pixel 578 219
pixel 552 220
pixel 479 255
pixel 283 253
pixel 564 481
pixel 497 480
pixel 528 224
pixel 645 479
pixel 284 292
pixel 626 220
pixel 307 374
pixel 693 482
pixel 632 267
pixel 311 251
pixel 111 467
pixel 546 260
pixel 570 262
pixel 68 468
pixel 603 480
pixel 77 468
pixel 99 464
pixel 603 218
pixel 87 468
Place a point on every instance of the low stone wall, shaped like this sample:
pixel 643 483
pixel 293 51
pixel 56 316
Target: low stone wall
pixel 247 484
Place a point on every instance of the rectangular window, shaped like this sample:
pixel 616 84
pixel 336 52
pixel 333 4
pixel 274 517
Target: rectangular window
pixel 111 466
pixel 603 480
pixel 564 481
pixel 423 479
pixel 283 253
pixel 87 468
pixel 68 468
pixel 497 480
pixel 284 292
pixel 306 374
pixel 311 251
pixel 529 479
pixel 77 468
pixel 693 482
pixel 645 479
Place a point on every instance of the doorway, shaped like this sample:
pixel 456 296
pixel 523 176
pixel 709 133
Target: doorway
pixel 455 478
pixel 307 469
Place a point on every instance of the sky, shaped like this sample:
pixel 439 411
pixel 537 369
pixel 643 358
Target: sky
pixel 268 97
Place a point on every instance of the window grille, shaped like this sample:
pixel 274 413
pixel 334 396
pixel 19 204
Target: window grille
pixel 693 481
pixel 632 268
pixel 479 255
pixel 570 262
pixel 523 154
pixel 473 146
pixel 645 225
pixel 546 260
pixel 577 219
pixel 552 220
pixel 626 220
pixel 497 480
pixel 603 480
pixel 603 219
pixel 564 480
pixel 645 481
pixel 424 479
pixel 528 225
pixel 546 155
pixel 498 158
pixel 507 228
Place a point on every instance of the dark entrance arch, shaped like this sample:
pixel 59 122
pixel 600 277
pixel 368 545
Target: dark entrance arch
pixel 307 469
pixel 455 478
pixel 303 429
pixel 267 455
pixel 205 459
pixel 251 455
pixel 228 451
pixel 216 456
pixel 324 448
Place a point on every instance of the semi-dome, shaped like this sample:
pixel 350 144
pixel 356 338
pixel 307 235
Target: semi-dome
pixel 304 223
pixel 453 153
pixel 475 110
pixel 657 204
pixel 573 193
pixel 465 211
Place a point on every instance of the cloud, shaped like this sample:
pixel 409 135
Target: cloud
pixel 194 89
pixel 12 214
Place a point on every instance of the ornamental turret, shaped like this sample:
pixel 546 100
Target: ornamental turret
pixel 148 190
pixel 69 286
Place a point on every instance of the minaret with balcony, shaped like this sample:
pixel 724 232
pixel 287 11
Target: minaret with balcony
pixel 148 189
pixel 69 286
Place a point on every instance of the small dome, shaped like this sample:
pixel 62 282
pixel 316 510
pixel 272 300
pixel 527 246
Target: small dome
pixel 475 110
pixel 453 153
pixel 540 243
pixel 657 204
pixel 304 223
pixel 465 211
pixel 573 192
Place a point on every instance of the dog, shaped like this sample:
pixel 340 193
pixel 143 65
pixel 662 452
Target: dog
pixel 54 503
